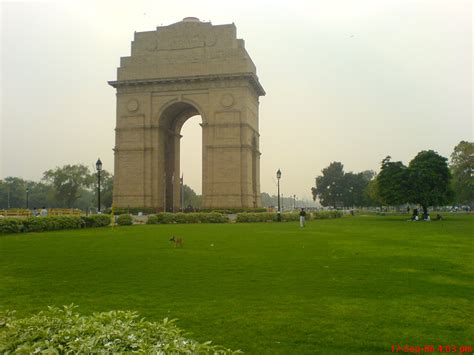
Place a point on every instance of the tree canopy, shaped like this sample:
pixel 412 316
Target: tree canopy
pixel 335 187
pixel 68 182
pixel 462 168
pixel 426 181
pixel 429 180
pixel 392 182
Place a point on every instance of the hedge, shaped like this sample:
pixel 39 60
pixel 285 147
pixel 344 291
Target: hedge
pixel 186 218
pixel 65 331
pixel 49 223
pixel 11 225
pixel 285 217
pixel 234 210
pixel 99 220
pixel 131 210
pixel 125 220
pixel 327 214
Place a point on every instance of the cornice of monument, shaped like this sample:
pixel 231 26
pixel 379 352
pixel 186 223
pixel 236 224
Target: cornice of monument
pixel 253 79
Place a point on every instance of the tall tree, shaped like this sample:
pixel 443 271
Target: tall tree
pixel 429 180
pixel 13 192
pixel 68 182
pixel 462 167
pixel 191 198
pixel 355 185
pixel 330 185
pixel 106 189
pixel 373 194
pixel 392 182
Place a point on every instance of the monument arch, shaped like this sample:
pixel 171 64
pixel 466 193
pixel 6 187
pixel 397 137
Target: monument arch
pixel 173 73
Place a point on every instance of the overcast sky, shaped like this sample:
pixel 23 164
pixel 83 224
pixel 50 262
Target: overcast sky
pixel 346 80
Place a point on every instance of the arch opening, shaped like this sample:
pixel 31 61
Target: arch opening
pixel 172 121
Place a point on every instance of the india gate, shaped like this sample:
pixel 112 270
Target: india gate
pixel 173 73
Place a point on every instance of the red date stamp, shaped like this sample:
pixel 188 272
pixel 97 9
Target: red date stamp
pixel 453 349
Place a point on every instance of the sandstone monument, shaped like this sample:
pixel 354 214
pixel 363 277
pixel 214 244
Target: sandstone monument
pixel 173 73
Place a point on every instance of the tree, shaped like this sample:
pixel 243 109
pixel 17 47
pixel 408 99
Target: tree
pixel 106 189
pixel 336 187
pixel 13 192
pixel 355 184
pixel 372 193
pixel 392 182
pixel 330 186
pixel 462 168
pixel 267 200
pixel 429 180
pixel 191 198
pixel 68 182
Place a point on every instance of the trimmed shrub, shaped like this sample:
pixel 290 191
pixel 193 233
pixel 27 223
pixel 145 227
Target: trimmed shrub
pixel 50 223
pixel 186 218
pixel 132 210
pixel 152 219
pixel 327 214
pixel 11 225
pixel 234 210
pixel 285 217
pixel 293 217
pixel 165 217
pixel 256 217
pixel 65 331
pixel 98 220
pixel 125 220
pixel 213 217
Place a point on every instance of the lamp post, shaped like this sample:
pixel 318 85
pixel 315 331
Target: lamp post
pixel 279 210
pixel 98 166
pixel 27 195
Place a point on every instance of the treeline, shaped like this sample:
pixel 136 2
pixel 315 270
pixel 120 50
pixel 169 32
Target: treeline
pixel 428 180
pixel 70 186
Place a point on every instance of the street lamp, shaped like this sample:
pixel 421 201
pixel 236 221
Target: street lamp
pixel 279 210
pixel 27 193
pixel 98 166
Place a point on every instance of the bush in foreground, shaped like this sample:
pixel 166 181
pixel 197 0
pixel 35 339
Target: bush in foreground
pixel 66 331
pixel 125 220
pixel 50 223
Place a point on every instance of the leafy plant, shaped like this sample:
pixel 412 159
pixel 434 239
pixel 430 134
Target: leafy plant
pixel 99 220
pixel 63 330
pixel 285 217
pixel 10 225
pixel 132 210
pixel 186 218
pixel 124 220
pixel 49 223
pixel 152 219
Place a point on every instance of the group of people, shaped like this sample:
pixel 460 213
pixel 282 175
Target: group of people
pixel 42 213
pixel 426 216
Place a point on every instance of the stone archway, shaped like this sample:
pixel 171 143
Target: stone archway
pixel 176 72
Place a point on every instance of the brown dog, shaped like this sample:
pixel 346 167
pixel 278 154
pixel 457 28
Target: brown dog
pixel 178 242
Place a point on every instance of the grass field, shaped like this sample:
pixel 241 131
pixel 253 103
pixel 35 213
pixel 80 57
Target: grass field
pixel 352 285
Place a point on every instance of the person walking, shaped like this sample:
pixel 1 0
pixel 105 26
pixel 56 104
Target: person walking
pixel 302 217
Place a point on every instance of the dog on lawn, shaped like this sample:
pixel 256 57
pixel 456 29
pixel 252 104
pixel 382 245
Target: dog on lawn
pixel 178 242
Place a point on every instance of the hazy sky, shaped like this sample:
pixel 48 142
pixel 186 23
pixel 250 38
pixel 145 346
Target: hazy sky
pixel 346 80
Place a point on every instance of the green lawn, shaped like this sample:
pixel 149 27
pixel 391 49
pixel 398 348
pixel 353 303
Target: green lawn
pixel 354 285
